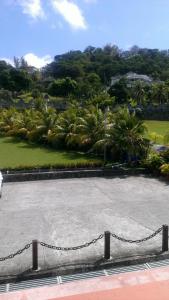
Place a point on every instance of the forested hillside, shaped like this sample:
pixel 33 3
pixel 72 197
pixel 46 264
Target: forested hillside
pixel 82 75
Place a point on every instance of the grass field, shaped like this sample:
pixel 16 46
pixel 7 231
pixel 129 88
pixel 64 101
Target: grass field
pixel 15 153
pixel 159 127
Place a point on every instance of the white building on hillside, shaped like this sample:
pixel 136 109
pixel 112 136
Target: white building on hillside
pixel 132 77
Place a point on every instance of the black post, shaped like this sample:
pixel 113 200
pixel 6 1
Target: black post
pixel 107 245
pixel 34 255
pixel 165 238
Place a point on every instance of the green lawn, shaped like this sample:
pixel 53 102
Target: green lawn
pixel 160 127
pixel 15 153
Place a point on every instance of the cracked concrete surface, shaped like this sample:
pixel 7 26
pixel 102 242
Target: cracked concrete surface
pixel 69 212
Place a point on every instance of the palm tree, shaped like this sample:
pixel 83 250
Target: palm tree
pixel 159 93
pixel 26 123
pixel 8 119
pixel 91 128
pixel 43 126
pixel 63 133
pixel 138 91
pixel 128 136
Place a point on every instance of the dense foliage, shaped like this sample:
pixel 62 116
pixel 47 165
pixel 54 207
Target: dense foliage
pixel 82 75
pixel 165 169
pixel 89 130
pixel 157 162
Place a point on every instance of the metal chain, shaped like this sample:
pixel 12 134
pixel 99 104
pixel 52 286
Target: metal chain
pixel 72 248
pixel 16 253
pixel 137 241
pixel 84 245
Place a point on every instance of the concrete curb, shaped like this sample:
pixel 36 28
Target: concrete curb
pixel 80 268
pixel 63 174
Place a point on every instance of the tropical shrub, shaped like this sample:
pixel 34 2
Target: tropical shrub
pixel 153 162
pixel 165 169
pixel 165 155
pixel 166 138
pixel 89 129
pixel 128 137
pixel 155 137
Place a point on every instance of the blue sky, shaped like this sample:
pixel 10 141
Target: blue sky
pixel 40 29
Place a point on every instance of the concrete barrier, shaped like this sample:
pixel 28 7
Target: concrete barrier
pixel 78 173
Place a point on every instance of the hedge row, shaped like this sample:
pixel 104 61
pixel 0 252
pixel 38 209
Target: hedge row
pixel 57 166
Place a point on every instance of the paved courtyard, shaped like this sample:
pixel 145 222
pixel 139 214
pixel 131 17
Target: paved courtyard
pixel 69 212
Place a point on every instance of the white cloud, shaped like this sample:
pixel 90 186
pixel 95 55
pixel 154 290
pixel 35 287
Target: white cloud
pixel 70 12
pixel 32 60
pixel 36 61
pixel 8 60
pixel 33 8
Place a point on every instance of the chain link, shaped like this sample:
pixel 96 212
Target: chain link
pixel 16 253
pixel 137 241
pixel 94 241
pixel 72 248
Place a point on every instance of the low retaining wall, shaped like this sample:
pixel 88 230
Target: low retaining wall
pixel 61 174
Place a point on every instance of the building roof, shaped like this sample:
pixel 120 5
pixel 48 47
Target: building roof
pixel 135 76
pixel 131 76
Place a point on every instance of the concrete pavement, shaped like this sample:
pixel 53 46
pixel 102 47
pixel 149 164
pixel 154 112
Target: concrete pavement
pixel 70 212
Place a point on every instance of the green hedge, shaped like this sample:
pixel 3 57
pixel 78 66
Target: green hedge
pixel 72 165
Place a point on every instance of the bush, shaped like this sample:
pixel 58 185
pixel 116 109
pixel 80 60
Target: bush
pixel 153 162
pixel 22 133
pixel 165 155
pixel 165 169
pixel 57 166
